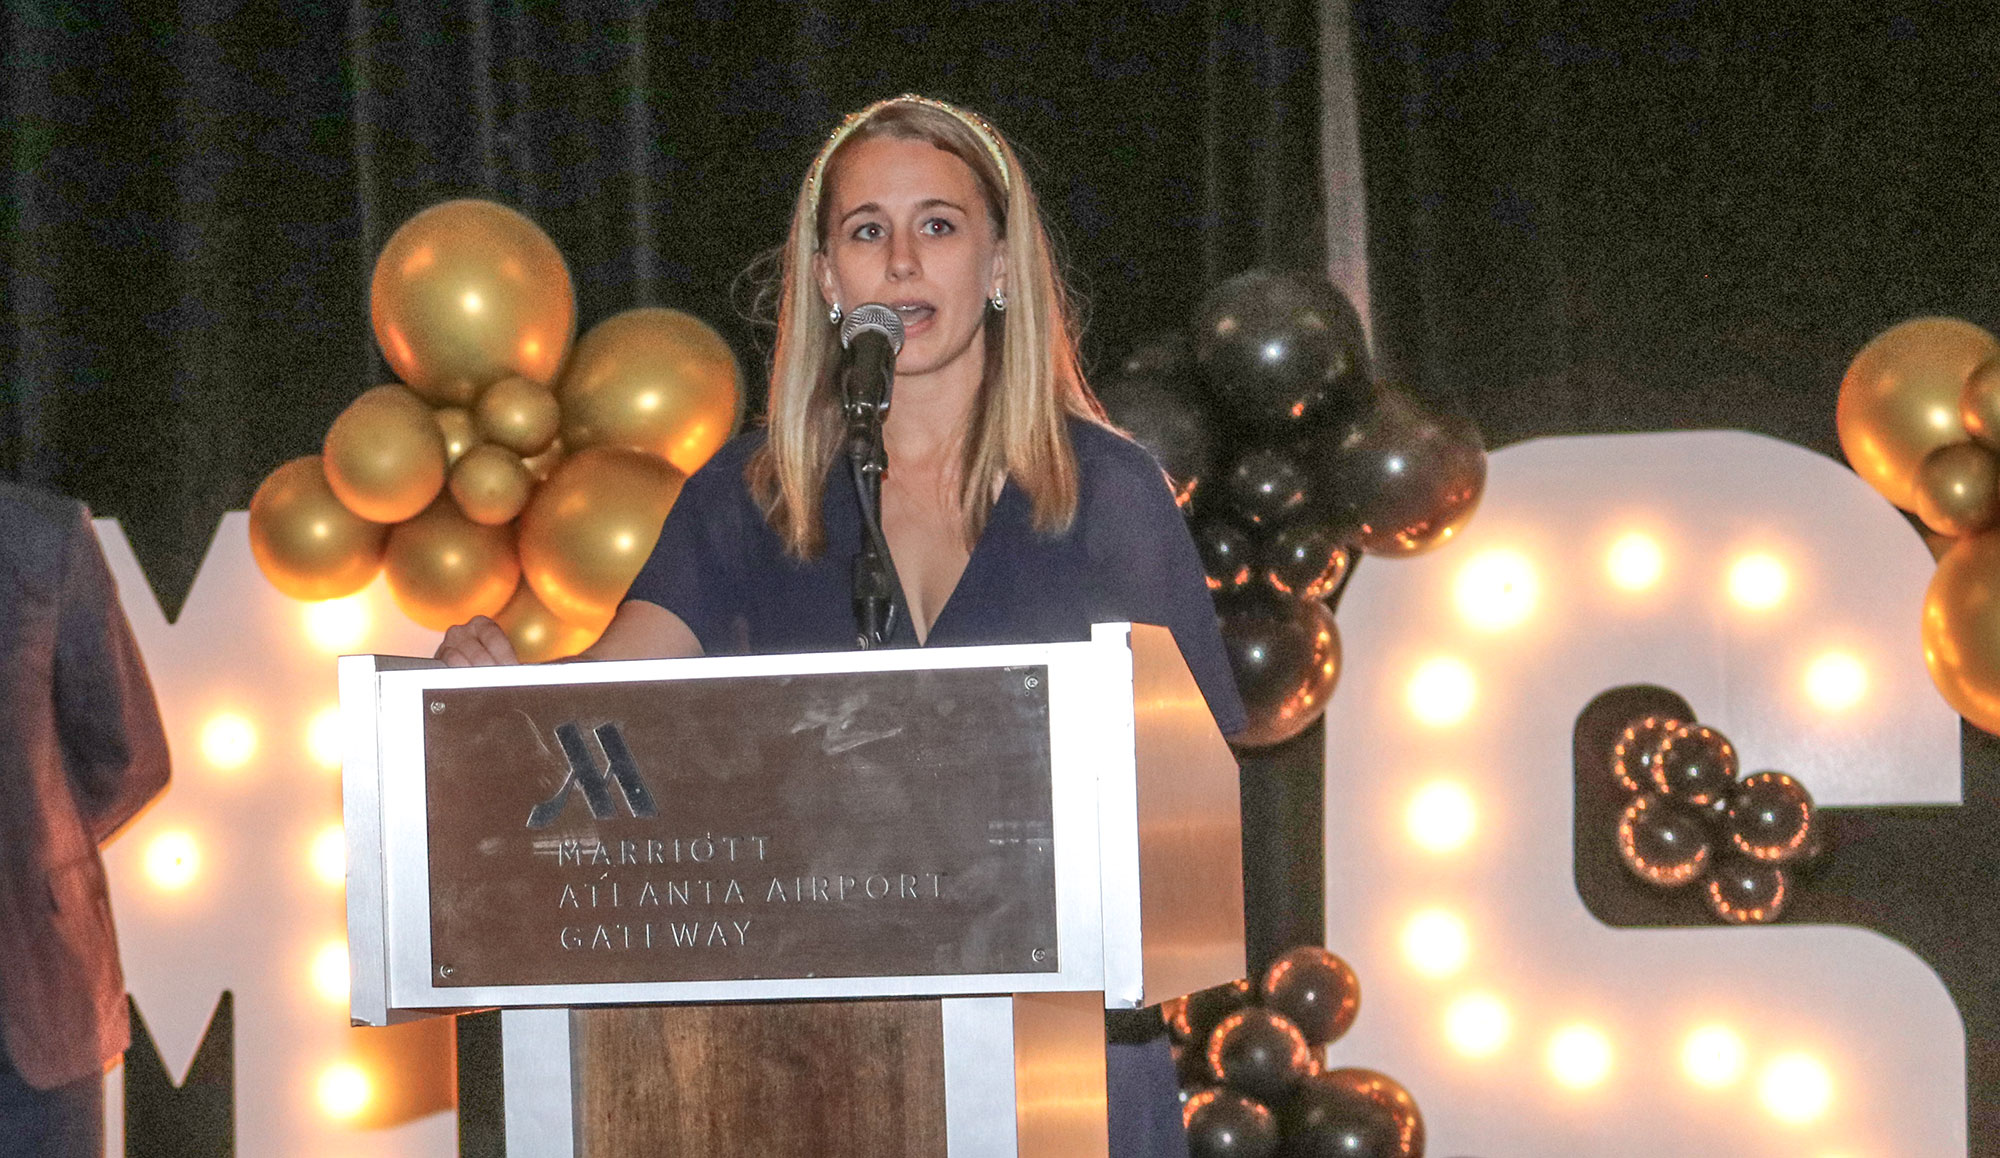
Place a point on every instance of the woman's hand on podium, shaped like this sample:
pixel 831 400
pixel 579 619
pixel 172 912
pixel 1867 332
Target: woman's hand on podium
pixel 479 642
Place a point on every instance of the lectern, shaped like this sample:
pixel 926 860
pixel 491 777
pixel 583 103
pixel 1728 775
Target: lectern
pixel 830 904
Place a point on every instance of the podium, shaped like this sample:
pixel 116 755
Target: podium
pixel 828 904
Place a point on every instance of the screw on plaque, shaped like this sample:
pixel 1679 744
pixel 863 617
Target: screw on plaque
pixel 437 706
pixel 1031 682
pixel 1038 955
pixel 444 971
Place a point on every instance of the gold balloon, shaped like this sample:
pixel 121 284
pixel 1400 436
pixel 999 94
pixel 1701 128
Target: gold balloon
pixel 443 568
pixel 519 415
pixel 652 379
pixel 543 465
pixel 490 484
pixel 306 542
pixel 538 634
pixel 467 293
pixel 460 435
pixel 589 528
pixel 1962 629
pixel 1979 403
pixel 385 455
pixel 1900 399
pixel 1955 491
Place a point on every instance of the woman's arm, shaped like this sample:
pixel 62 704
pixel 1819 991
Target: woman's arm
pixel 640 630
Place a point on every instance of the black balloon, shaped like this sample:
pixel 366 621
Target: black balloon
pixel 1638 745
pixel 1192 1018
pixel 1229 555
pixel 1407 478
pixel 1352 1113
pixel 1743 891
pixel 1305 559
pixel 1163 353
pixel 1269 487
pixel 1166 420
pixel 1315 990
pixel 1696 765
pixel 1260 1052
pixel 1226 1124
pixel 1191 1068
pixel 1770 818
pixel 1285 654
pixel 1282 349
pixel 1664 844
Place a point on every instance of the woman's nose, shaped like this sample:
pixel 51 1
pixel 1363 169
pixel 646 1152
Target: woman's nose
pixel 902 256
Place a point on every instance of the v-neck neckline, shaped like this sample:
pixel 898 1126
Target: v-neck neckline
pixel 971 559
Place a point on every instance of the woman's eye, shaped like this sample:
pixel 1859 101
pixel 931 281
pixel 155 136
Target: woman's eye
pixel 937 227
pixel 868 232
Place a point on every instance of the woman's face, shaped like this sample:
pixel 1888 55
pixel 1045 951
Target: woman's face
pixel 907 226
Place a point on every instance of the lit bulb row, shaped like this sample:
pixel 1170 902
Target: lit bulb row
pixel 229 740
pixel 1499 588
pixel 172 859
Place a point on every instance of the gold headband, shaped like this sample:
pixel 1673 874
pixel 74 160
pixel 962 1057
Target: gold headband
pixel 985 132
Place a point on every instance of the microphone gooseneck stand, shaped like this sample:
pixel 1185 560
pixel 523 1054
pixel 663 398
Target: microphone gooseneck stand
pixel 865 387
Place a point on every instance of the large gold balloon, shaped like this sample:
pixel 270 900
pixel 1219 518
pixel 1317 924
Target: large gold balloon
pixel 385 455
pixel 467 293
pixel 1979 403
pixel 443 568
pixel 490 484
pixel 519 415
pixel 460 435
pixel 1962 629
pixel 1955 491
pixel 305 541
pixel 538 634
pixel 589 528
pixel 652 379
pixel 1900 399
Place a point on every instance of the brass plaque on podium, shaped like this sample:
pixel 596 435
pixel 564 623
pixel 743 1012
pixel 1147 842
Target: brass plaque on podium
pixel 840 825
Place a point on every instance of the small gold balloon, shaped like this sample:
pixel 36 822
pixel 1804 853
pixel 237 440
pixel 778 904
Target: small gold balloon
pixel 460 435
pixel 652 379
pixel 307 543
pixel 467 293
pixel 589 528
pixel 490 484
pixel 1900 400
pixel 538 634
pixel 543 465
pixel 519 415
pixel 1955 491
pixel 1979 403
pixel 1961 630
pixel 443 568
pixel 385 456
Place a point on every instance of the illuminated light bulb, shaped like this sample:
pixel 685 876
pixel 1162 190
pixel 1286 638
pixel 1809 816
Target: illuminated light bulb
pixel 1758 582
pixel 1497 590
pixel 228 741
pixel 472 302
pixel 1478 1025
pixel 1714 1056
pixel 337 625
pixel 1635 562
pixel 1436 943
pixel 173 860
pixel 1796 1088
pixel 323 738
pixel 344 1090
pixel 1836 681
pixel 329 855
pixel 1441 817
pixel 329 971
pixel 1441 692
pixel 1580 1056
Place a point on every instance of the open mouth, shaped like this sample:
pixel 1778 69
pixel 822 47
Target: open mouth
pixel 914 313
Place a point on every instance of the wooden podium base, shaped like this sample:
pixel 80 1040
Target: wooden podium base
pixel 955 1077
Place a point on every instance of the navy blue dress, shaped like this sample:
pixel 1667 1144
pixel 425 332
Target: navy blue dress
pixel 1127 557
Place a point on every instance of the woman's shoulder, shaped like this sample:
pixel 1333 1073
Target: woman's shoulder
pixel 730 459
pixel 1108 461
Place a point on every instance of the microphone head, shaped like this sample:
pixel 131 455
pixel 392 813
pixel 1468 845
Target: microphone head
pixel 877 317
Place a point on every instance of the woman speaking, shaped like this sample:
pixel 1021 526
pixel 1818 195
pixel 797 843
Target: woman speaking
pixel 1011 512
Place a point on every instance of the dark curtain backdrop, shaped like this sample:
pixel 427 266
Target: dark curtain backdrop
pixel 198 189
pixel 1651 215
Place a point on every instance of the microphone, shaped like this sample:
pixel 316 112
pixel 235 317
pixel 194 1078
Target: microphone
pixel 870 339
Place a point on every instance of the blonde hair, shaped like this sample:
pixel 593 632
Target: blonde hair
pixel 1032 382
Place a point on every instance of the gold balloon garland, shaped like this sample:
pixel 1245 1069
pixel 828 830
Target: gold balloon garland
pixel 511 473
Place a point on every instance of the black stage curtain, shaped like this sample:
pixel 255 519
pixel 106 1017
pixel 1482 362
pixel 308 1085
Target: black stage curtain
pixel 198 189
pixel 1656 216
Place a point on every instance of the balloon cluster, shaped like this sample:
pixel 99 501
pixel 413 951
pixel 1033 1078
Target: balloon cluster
pixel 1324 463
pixel 1690 821
pixel 507 474
pixel 1919 420
pixel 1251 1074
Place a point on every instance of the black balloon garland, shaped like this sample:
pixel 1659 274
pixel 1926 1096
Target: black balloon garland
pixel 1251 1076
pixel 1321 463
pixel 1691 821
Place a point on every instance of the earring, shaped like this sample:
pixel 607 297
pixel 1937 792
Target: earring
pixel 999 301
pixel 833 315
